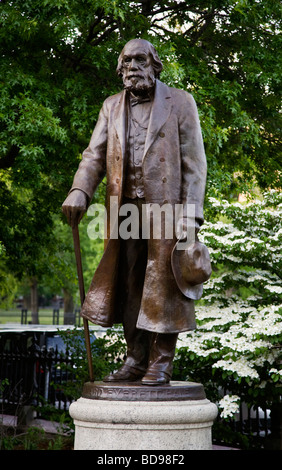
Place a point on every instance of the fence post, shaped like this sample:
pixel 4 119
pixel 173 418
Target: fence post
pixel 24 316
pixel 56 313
pixel 77 317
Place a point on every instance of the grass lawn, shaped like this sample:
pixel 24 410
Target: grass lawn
pixel 45 316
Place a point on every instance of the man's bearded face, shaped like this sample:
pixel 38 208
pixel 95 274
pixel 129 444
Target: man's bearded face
pixel 138 73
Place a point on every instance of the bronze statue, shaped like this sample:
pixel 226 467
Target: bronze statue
pixel 148 143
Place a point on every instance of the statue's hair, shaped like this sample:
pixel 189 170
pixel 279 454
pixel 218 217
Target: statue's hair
pixel 156 62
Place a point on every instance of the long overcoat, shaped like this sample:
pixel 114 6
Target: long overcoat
pixel 174 172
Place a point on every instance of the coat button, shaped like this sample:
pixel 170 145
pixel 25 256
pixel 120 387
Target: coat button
pixel 164 180
pixel 162 134
pixel 162 159
pixel 117 180
pixel 117 158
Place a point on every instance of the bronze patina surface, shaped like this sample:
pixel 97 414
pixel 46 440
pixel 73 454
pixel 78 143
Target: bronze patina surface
pixel 134 391
pixel 148 144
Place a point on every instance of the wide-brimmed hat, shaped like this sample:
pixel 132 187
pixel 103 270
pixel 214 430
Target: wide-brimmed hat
pixel 191 267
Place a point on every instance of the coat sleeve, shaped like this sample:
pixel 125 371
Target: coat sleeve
pixel 193 159
pixel 92 167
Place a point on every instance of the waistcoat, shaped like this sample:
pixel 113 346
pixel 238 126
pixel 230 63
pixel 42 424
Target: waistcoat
pixel 139 116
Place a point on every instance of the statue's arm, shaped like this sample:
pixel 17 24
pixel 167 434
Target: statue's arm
pixel 90 173
pixel 193 161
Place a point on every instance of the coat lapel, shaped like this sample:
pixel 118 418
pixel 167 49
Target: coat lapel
pixel 161 109
pixel 120 121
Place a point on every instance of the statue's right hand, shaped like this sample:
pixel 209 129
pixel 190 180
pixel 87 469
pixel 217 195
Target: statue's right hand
pixel 75 206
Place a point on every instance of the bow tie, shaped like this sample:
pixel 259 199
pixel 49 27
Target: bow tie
pixel 142 99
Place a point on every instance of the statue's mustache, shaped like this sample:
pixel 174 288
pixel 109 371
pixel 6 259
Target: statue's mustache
pixel 135 75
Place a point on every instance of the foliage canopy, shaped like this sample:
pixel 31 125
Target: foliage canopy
pixel 58 59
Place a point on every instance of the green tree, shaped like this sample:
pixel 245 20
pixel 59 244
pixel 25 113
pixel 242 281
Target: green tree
pixel 57 66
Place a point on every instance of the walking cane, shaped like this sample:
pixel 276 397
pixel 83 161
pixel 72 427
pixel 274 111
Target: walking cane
pixel 76 242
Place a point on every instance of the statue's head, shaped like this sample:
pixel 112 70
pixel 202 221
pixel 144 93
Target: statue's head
pixel 139 65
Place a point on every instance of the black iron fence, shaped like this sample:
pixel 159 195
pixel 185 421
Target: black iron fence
pixel 251 427
pixel 34 377
pixel 32 374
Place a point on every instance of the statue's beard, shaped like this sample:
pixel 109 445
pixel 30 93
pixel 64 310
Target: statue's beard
pixel 139 82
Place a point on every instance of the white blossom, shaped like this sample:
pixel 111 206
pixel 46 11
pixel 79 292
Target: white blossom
pixel 275 371
pixel 229 405
pixel 241 367
pixel 239 319
pixel 276 289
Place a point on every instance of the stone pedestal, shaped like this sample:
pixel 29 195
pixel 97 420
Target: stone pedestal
pixel 135 417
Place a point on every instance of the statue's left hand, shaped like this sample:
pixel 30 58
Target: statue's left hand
pixel 187 229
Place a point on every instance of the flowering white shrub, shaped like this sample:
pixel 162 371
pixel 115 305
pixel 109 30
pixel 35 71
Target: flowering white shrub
pixel 229 405
pixel 237 343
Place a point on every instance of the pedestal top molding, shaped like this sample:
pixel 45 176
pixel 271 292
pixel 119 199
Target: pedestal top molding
pixel 135 391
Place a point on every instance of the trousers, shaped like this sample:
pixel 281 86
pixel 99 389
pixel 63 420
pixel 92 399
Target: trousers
pixel 143 347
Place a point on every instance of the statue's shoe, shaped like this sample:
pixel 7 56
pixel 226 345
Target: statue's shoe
pixel 125 374
pixel 155 377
